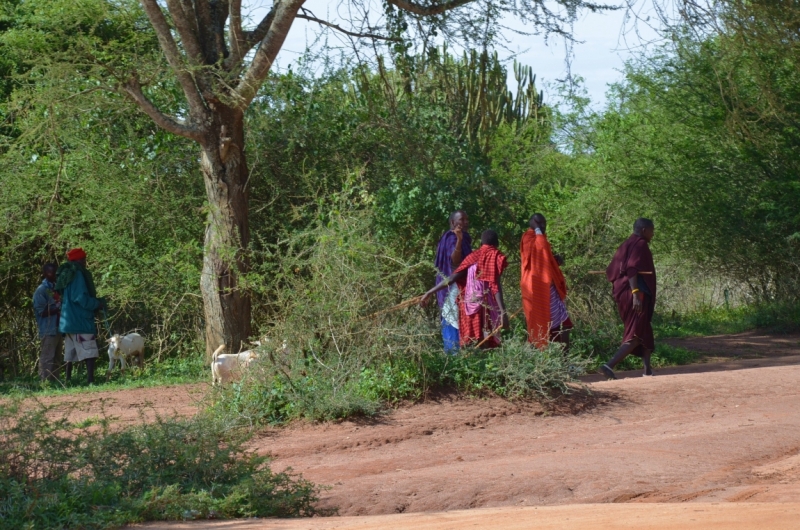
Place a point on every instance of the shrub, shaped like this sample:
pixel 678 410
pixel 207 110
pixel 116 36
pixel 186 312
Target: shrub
pixel 54 474
pixel 347 353
pixel 516 369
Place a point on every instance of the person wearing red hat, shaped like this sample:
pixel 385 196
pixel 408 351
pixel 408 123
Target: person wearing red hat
pixel 79 302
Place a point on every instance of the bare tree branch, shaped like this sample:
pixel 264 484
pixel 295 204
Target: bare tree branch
pixel 251 38
pixel 186 30
pixel 169 124
pixel 285 13
pixel 173 55
pixel 255 36
pixel 426 10
pixel 237 38
pixel 347 32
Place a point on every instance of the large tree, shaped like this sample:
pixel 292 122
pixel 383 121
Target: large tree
pixel 219 62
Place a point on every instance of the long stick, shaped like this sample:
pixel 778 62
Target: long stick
pixel 398 307
pixel 493 333
pixel 603 272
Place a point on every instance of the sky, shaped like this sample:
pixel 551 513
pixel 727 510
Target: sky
pixel 604 41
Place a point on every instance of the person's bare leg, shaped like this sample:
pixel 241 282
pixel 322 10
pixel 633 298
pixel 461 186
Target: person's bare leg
pixel 563 338
pixel 69 371
pixel 648 369
pixel 626 349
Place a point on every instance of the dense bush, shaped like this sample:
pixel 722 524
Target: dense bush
pixel 348 353
pixel 55 474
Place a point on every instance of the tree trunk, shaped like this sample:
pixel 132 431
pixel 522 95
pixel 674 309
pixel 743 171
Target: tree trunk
pixel 227 307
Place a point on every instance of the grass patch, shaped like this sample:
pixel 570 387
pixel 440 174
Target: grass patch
pixel 775 317
pixel 170 371
pixel 54 474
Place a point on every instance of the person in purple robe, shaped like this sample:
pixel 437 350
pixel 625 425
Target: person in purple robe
pixel 454 246
pixel 633 275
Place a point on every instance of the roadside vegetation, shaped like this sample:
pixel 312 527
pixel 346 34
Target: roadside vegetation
pixel 354 169
pixel 56 474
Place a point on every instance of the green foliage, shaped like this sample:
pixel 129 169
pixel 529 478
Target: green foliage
pixel 781 317
pixel 702 137
pixel 353 175
pixel 516 369
pixel 335 349
pixel 327 281
pixel 169 371
pixel 95 475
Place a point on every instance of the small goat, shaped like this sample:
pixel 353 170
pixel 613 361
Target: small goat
pixel 121 347
pixel 228 367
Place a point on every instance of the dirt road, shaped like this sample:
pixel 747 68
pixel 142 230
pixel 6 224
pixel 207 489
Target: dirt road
pixel 709 436
pixel 689 516
pixel 719 436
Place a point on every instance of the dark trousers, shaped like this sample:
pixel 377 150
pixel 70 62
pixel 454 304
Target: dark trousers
pixel 49 356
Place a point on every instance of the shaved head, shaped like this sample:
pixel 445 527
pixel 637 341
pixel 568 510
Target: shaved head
pixel 489 237
pixel 641 224
pixel 460 219
pixel 644 228
pixel 538 221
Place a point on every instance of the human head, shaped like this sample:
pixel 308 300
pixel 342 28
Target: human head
pixel 645 228
pixel 77 255
pixel 49 271
pixel 459 218
pixel 489 237
pixel 538 221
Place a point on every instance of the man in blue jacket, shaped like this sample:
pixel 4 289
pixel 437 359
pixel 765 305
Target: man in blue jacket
pixel 47 308
pixel 79 302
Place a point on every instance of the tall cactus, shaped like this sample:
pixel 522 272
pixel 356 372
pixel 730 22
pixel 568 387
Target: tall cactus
pixel 473 88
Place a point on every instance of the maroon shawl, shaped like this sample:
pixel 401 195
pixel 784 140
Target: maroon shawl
pixel 634 257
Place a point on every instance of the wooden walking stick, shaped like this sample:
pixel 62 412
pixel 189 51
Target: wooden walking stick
pixel 496 331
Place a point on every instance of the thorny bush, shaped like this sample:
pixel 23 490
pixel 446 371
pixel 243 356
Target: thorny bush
pixel 335 349
pixel 92 475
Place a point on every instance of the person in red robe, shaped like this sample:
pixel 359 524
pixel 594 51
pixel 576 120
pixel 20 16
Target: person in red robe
pixel 544 287
pixel 481 309
pixel 633 275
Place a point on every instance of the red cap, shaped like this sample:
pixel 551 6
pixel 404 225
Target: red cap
pixel 76 254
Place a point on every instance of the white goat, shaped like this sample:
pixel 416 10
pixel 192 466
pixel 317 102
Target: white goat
pixel 121 347
pixel 227 367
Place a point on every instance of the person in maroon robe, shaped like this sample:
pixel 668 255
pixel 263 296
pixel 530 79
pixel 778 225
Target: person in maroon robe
pixel 633 276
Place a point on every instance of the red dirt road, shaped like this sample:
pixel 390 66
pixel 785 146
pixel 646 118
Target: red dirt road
pixel 688 516
pixel 720 436
pixel 689 434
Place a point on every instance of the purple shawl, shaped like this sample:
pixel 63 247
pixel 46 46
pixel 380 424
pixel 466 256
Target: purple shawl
pixel 447 244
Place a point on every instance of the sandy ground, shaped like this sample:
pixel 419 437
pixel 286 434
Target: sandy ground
pixel 713 435
pixel 747 345
pixel 127 407
pixel 691 516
